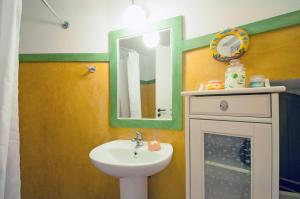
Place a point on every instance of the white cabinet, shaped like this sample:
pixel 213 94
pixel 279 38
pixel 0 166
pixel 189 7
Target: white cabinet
pixel 232 144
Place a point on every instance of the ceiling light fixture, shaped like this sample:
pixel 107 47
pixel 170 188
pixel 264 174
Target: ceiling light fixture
pixel 151 39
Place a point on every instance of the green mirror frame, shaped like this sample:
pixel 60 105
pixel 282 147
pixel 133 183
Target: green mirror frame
pixel 175 25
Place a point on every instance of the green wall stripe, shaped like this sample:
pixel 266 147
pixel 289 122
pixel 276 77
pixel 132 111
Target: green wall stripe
pixel 65 57
pixel 262 26
pixel 152 81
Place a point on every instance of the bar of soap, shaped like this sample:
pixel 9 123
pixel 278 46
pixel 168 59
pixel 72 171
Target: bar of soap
pixel 153 145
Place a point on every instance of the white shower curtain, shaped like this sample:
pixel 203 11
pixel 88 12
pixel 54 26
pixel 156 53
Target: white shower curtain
pixel 133 70
pixel 10 16
pixel 124 110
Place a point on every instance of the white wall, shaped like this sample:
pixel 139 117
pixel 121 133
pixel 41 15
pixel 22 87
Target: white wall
pixel 91 20
pixel 147 67
pixel 41 33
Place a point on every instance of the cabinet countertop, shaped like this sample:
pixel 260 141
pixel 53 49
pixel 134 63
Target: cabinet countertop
pixel 273 89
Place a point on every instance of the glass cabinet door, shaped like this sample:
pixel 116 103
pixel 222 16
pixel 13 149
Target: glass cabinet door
pixel 227 170
pixel 230 160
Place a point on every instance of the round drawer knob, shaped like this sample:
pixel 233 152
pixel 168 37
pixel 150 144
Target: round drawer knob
pixel 224 105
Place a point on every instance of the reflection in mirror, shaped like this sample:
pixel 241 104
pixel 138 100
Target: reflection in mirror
pixel 228 45
pixel 145 76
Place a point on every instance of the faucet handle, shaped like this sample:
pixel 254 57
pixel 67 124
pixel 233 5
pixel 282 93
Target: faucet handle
pixel 138 137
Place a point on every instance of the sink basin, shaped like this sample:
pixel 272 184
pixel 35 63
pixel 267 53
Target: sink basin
pixel 120 158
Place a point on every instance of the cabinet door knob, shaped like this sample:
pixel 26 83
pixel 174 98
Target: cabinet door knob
pixel 224 105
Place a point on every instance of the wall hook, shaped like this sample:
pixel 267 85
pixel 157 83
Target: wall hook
pixel 91 69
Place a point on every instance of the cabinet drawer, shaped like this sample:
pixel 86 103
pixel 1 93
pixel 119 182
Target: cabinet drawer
pixel 241 105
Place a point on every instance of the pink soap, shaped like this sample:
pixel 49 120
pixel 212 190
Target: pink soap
pixel 153 145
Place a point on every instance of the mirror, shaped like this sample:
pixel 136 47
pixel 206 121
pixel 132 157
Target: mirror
pixel 146 76
pixel 229 44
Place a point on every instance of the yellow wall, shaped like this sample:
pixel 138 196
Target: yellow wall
pixel 274 54
pixel 64 114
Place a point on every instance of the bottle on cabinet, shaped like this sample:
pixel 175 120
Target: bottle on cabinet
pixel 235 75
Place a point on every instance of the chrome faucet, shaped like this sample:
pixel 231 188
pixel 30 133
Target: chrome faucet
pixel 138 139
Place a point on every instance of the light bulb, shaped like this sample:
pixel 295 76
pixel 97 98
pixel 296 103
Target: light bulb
pixel 151 39
pixel 134 17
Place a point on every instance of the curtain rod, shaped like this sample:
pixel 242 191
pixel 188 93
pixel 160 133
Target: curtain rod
pixel 64 24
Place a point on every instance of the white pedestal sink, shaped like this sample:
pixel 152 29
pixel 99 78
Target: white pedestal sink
pixel 132 165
